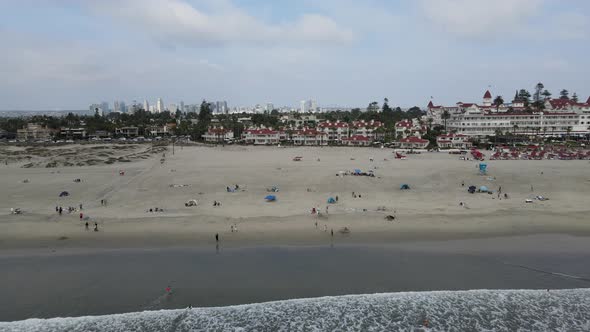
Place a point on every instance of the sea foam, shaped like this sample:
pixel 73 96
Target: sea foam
pixel 477 310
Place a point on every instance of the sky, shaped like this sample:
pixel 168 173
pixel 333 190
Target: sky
pixel 67 54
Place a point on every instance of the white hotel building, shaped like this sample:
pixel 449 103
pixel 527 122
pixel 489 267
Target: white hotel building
pixel 559 118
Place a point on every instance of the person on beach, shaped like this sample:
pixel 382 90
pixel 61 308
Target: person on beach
pixel 86 225
pixel 332 232
pixel 316 224
pixel 102 202
pixel 353 195
pixel 56 208
pixel 60 210
pixel 95 226
pixel 336 198
pixel 80 206
pixel 232 228
pixel 462 183
pixel 216 237
pixel 81 216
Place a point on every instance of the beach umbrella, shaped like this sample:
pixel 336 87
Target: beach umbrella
pixel 357 171
pixel 404 187
pixel 331 200
pixel 271 198
pixel 64 193
pixel 483 188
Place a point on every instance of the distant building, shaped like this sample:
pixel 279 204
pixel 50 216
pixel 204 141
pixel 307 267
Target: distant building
pixel 455 141
pixel 101 109
pixel 357 140
pixel 73 133
pixel 159 106
pixel 34 132
pixel 412 142
pixel 127 131
pixel 221 107
pixel 270 107
pixel 218 134
pixel 146 106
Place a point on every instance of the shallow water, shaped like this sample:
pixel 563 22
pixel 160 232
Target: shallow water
pixel 135 280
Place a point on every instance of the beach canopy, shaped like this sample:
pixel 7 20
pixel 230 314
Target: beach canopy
pixel 271 198
pixel 357 171
pixel 483 189
pixel 64 193
pixel 331 200
pixel 471 189
pixel 404 187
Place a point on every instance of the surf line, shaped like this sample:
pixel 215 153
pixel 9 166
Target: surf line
pixel 559 274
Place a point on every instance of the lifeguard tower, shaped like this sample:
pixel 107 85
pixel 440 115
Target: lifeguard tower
pixel 483 169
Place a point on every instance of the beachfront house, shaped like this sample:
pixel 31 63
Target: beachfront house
pixel 454 141
pixel 73 133
pixel 218 134
pixel 412 142
pixel 34 132
pixel 309 137
pixel 407 128
pixel 127 131
pixel 357 140
pixel 368 129
pixel 336 131
pixel 263 136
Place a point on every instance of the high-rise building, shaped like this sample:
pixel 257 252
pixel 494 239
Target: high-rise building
pixel 105 107
pixel 146 105
pixel 117 107
pixel 221 107
pixel 172 108
pixel 302 106
pixel 270 107
pixel 181 107
pixel 160 105
pixel 313 106
pixel 123 107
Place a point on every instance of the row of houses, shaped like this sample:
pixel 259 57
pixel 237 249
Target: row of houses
pixel 37 132
pixel 308 136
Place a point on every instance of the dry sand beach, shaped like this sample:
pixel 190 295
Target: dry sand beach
pixel 430 210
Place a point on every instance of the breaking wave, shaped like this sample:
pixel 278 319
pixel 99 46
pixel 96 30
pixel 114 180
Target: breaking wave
pixel 477 310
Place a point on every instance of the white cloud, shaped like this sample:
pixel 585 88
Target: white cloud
pixel 478 18
pixel 177 22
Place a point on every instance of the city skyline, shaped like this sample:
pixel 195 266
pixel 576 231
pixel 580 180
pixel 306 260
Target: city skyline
pixel 336 52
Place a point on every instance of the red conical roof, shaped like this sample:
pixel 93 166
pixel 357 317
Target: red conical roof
pixel 430 104
pixel 588 101
pixel 487 94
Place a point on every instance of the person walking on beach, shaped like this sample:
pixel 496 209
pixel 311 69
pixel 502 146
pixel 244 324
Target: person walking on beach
pixel 216 237
pixel 80 206
pixel 332 232
pixel 500 189
pixel 81 216
pixel 60 210
pixel 95 226
pixel 56 208
pixel 336 198
pixel 87 225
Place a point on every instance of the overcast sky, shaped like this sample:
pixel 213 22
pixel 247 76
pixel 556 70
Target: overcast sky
pixel 66 54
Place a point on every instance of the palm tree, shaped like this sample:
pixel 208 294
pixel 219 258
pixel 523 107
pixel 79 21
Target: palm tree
pixel 498 102
pixel 429 120
pixel 445 115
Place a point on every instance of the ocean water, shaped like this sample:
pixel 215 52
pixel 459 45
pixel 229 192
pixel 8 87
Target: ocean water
pixel 478 310
pixel 73 284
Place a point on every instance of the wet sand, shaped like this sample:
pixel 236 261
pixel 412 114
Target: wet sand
pixel 75 283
